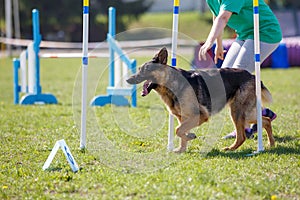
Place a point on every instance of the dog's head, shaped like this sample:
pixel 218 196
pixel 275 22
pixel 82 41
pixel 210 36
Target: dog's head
pixel 151 72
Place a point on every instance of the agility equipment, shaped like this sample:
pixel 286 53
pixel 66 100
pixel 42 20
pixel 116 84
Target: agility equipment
pixel 120 66
pixel 176 4
pixel 257 74
pixel 117 88
pixel 66 150
pixel 31 86
pixel 85 39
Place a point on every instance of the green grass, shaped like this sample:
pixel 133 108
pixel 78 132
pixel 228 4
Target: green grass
pixel 126 157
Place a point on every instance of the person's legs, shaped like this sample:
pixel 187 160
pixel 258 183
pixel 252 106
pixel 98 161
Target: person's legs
pixel 232 54
pixel 245 57
pixel 241 54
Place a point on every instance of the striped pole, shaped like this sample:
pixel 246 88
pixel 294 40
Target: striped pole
pixel 257 74
pixel 85 31
pixel 174 63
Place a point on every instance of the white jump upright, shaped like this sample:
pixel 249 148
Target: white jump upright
pixel 23 71
pixel 85 30
pixel 176 4
pixel 29 66
pixel 257 74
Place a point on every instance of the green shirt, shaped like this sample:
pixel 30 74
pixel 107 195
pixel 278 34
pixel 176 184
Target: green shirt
pixel 241 19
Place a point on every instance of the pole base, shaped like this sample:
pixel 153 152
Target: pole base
pixel 255 153
pixel 30 99
pixel 102 100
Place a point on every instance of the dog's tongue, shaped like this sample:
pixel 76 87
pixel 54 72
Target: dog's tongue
pixel 145 88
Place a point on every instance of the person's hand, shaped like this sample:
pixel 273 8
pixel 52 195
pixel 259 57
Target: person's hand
pixel 204 49
pixel 219 53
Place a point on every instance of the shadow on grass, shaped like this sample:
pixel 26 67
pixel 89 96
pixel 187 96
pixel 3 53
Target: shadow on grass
pixel 278 150
pixel 284 139
pixel 54 169
pixel 283 150
pixel 230 154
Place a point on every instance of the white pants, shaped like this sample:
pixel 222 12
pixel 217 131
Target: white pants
pixel 241 54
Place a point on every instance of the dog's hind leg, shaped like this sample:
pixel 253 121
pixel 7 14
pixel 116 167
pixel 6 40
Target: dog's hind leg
pixel 238 118
pixel 240 136
pixel 267 125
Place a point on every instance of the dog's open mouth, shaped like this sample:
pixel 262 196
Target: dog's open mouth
pixel 146 88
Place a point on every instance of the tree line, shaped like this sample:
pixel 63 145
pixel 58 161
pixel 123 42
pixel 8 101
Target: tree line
pixel 62 20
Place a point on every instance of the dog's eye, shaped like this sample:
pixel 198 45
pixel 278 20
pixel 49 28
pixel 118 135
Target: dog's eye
pixel 147 69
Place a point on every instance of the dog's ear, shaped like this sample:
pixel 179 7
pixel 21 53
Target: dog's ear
pixel 161 57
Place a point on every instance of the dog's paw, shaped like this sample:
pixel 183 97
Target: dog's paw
pixel 191 136
pixel 227 149
pixel 179 150
pixel 271 145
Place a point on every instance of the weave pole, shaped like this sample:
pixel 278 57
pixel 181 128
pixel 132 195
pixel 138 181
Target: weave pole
pixel 85 34
pixel 174 63
pixel 257 74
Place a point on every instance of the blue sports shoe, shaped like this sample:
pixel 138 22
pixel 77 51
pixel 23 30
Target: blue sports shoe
pixel 248 131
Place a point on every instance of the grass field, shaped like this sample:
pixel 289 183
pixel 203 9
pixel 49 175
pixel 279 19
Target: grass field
pixel 126 156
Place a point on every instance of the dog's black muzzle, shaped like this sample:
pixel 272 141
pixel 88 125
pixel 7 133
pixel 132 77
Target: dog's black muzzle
pixel 135 79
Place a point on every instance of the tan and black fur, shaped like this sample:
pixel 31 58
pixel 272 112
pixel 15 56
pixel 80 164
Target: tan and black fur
pixel 193 96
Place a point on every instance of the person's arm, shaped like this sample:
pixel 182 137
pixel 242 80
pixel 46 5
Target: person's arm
pixel 219 38
pixel 219 50
pixel 215 33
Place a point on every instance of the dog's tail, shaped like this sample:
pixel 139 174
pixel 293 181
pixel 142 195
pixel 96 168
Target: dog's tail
pixel 265 95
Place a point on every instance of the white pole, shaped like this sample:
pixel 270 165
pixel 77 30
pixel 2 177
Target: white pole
pixel 125 72
pixel 8 24
pixel 23 71
pixel 117 71
pixel 257 74
pixel 174 48
pixel 31 68
pixel 85 34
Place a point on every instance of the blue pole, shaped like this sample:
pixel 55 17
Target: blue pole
pixel 112 33
pixel 36 43
pixel 133 96
pixel 16 65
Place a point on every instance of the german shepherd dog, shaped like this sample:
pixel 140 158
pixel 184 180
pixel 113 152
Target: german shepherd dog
pixel 193 96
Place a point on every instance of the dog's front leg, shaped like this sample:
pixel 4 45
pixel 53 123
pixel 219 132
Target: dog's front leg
pixel 182 131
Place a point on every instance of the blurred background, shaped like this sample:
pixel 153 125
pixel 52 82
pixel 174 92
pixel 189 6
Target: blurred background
pixel 62 20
